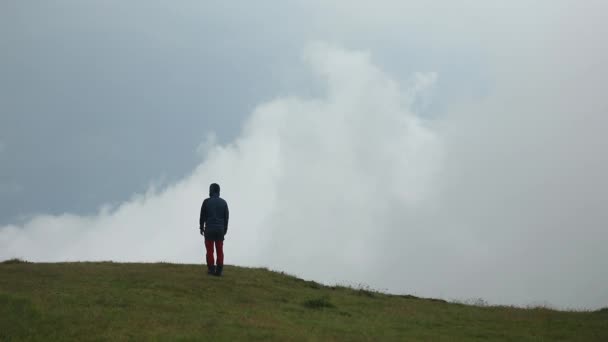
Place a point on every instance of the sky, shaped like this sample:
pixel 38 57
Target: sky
pixel 442 149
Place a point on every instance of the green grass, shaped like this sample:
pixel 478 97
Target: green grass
pixel 113 301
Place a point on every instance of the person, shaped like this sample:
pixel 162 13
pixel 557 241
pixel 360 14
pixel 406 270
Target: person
pixel 214 226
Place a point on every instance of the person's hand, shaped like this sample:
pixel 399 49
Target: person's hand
pixel 202 231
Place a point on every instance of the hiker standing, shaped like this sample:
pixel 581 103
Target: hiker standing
pixel 213 226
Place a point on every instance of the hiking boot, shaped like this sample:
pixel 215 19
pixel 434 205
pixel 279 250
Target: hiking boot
pixel 210 270
pixel 218 270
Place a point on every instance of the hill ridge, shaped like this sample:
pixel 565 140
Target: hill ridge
pixel 110 300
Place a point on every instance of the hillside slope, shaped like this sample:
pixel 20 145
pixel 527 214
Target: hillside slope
pixel 113 301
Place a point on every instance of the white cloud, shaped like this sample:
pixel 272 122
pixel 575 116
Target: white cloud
pixel 206 145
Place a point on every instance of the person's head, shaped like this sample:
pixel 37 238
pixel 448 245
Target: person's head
pixel 214 189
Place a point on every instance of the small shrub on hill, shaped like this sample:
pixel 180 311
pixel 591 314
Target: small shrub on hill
pixel 318 303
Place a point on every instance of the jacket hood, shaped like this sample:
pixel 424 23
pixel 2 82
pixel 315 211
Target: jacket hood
pixel 214 190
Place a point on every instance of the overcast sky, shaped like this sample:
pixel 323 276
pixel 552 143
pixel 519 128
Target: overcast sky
pixel 445 149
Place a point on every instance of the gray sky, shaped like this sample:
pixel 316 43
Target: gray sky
pixel 442 149
pixel 100 99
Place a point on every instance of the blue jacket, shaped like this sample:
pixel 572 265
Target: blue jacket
pixel 214 217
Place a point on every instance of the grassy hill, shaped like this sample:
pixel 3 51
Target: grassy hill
pixel 112 301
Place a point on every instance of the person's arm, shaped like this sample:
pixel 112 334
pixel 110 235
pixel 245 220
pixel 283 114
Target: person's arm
pixel 203 217
pixel 226 220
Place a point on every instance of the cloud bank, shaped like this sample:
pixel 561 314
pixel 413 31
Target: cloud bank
pixel 303 170
pixel 352 186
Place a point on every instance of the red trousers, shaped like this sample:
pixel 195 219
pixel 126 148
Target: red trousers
pixel 219 245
